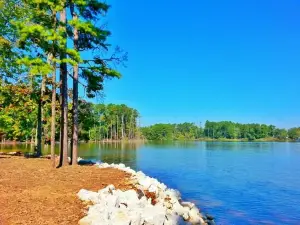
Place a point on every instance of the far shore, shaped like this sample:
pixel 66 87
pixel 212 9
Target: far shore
pixel 144 140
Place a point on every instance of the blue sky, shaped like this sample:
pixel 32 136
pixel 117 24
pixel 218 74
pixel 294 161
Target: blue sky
pixel 214 60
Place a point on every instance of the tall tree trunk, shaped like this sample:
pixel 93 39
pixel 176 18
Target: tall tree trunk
pixel 53 114
pixel 74 152
pixel 43 89
pixel 111 130
pixel 95 132
pixel 64 99
pixel 122 126
pixel 39 130
pixel 117 128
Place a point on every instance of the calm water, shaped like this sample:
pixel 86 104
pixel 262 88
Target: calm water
pixel 238 183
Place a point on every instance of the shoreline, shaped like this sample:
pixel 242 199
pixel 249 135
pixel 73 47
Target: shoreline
pixel 138 141
pixel 149 202
pixel 51 196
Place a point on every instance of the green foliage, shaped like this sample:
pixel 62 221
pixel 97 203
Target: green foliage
pixel 218 131
pixel 114 122
pixel 92 39
pixel 230 130
pixel 10 10
pixel 294 133
pixel 182 131
pixel 17 112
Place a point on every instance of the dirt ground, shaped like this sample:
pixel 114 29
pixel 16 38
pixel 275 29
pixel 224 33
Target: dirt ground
pixel 34 193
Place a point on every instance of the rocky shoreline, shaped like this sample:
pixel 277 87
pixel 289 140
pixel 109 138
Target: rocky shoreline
pixel 148 203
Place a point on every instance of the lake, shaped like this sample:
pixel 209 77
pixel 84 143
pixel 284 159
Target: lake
pixel 238 182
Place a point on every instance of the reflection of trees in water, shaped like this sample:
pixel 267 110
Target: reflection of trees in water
pixel 238 145
pixel 172 144
pixel 13 147
pixel 116 152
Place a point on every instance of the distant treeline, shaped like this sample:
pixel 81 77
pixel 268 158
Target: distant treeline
pixel 218 130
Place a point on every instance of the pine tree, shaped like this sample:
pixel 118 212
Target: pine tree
pixel 88 37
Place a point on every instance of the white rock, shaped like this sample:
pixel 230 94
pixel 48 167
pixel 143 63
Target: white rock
pixel 135 217
pixel 154 215
pixel 153 188
pixel 188 204
pixel 93 219
pixel 121 166
pixel 79 159
pixel 179 209
pixel 173 194
pixel 130 198
pixel 145 182
pixel 86 195
pixel 168 205
pixel 171 219
pixel 120 217
pixel 98 209
pixel 162 186
pixel 195 216
pixel 111 200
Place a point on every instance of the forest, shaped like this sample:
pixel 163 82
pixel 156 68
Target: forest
pixel 219 131
pixel 48 49
pixel 19 111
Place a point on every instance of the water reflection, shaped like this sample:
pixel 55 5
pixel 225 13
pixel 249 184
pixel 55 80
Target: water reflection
pixel 233 146
pixel 172 144
pixel 117 152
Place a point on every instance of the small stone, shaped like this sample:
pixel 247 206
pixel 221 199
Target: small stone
pixel 195 216
pixel 145 182
pixel 140 193
pixel 188 204
pixel 87 196
pixel 153 188
pixel 185 216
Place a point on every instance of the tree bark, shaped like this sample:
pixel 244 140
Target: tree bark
pixel 74 153
pixel 122 126
pixel 64 99
pixel 117 128
pixel 53 115
pixel 111 130
pixel 39 129
pixel 43 89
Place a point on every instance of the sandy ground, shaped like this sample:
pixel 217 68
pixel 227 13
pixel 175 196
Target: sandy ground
pixel 34 193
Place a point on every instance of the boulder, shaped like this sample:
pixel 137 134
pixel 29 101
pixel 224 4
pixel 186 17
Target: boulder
pixel 188 204
pixel 195 216
pixel 153 188
pixel 179 209
pixel 130 198
pixel 87 196
pixel 153 215
pixel 135 217
pixel 171 219
pixel 145 182
pixel 120 217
